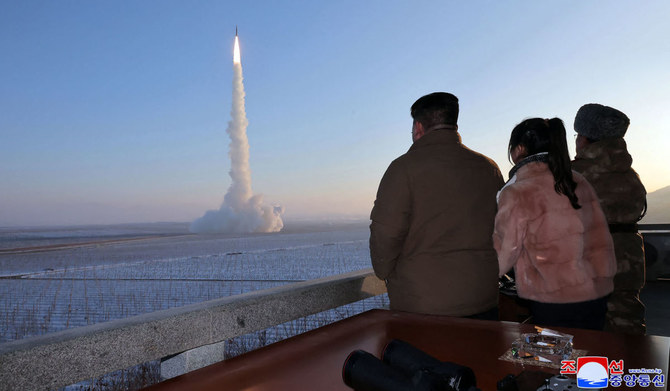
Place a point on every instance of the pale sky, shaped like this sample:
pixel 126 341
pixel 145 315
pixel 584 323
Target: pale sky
pixel 115 111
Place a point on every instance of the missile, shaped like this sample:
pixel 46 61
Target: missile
pixel 236 30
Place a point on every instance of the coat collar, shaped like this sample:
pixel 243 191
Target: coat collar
pixel 442 134
pixel 530 166
pixel 538 157
pixel 609 154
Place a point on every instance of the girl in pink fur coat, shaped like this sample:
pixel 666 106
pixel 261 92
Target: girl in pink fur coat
pixel 551 230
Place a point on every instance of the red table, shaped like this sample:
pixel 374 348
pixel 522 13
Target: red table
pixel 313 361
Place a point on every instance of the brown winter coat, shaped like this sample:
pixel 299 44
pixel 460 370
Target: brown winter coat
pixel 559 254
pixel 432 221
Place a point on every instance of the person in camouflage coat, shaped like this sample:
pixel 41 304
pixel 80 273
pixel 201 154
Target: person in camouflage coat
pixel 602 157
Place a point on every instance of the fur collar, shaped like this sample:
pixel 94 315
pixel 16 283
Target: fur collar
pixel 538 157
pixel 542 157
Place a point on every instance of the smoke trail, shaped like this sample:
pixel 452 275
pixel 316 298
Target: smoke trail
pixel 241 211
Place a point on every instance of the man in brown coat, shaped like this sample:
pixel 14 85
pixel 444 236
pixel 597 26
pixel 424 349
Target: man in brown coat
pixel 430 237
pixel 604 161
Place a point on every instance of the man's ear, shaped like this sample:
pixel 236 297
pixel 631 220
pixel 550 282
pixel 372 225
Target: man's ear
pixel 419 130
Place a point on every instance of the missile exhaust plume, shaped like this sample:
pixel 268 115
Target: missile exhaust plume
pixel 236 50
pixel 241 211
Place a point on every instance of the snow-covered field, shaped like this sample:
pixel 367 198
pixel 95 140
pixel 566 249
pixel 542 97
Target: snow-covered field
pixel 58 278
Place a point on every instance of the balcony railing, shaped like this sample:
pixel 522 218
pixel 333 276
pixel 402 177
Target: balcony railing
pixel 59 359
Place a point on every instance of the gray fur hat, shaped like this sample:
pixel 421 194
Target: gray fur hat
pixel 596 122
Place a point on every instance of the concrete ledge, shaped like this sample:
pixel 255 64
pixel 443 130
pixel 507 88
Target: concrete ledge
pixel 70 356
pixel 191 360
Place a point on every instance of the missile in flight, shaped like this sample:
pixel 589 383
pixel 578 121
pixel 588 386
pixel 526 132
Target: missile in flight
pixel 236 50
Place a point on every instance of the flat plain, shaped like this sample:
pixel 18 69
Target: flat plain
pixel 57 278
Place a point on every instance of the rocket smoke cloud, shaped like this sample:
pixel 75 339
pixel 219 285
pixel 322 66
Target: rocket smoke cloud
pixel 241 211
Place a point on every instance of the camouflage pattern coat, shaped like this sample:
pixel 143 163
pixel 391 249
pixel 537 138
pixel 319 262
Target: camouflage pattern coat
pixel 606 164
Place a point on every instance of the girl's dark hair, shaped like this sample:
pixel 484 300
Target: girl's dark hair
pixel 548 135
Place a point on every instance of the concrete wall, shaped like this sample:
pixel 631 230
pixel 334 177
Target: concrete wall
pixel 67 357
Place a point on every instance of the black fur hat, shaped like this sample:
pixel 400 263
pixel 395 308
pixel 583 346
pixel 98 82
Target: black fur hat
pixel 596 122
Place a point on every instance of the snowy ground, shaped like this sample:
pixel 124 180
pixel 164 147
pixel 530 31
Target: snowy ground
pixel 53 279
